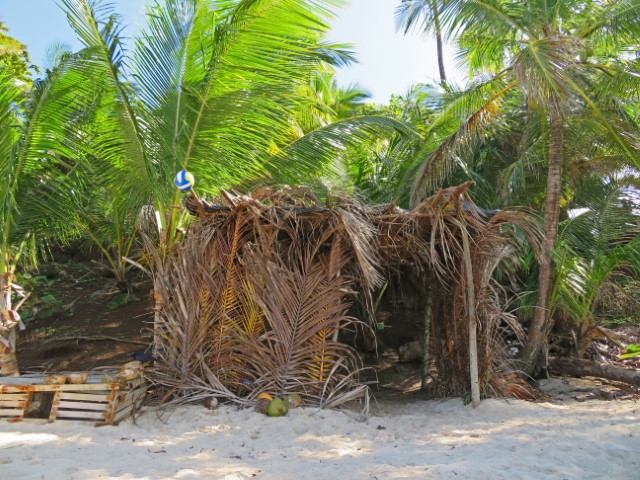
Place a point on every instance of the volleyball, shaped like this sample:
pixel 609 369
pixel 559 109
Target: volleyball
pixel 184 180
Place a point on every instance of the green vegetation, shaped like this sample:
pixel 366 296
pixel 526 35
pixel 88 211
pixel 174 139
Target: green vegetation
pixel 242 93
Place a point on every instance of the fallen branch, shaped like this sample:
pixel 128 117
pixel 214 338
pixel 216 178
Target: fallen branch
pixel 587 368
pixel 96 338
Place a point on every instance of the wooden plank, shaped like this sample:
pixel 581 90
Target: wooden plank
pixel 124 413
pixel 14 396
pixel 135 383
pixel 80 415
pixel 125 405
pixel 125 395
pixel 110 408
pixel 98 387
pixel 105 403
pixel 92 397
pixel 13 403
pixel 11 412
pixel 39 379
pixel 68 387
pixel 81 406
pixel 121 416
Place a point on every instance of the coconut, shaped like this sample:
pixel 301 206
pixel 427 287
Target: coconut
pixel 210 403
pixel 262 405
pixel 78 378
pixel 135 365
pixel 128 374
pixel 293 400
pixel 277 408
pixel 55 380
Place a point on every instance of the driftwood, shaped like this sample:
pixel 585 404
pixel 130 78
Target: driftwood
pixel 588 368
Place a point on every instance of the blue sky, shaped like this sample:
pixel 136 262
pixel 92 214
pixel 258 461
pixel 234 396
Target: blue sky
pixel 388 61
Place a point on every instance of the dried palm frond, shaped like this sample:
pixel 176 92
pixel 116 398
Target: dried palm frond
pixel 303 307
pixel 511 385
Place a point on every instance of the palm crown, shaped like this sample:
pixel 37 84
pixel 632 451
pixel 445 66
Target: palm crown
pixel 559 59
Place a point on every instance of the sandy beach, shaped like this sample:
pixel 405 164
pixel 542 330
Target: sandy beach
pixel 444 439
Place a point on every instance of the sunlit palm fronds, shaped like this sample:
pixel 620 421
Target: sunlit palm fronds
pixel 475 108
pixel 597 245
pixel 210 86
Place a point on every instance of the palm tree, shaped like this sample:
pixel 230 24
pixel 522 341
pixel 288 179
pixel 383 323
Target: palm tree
pixel 14 56
pixel 556 55
pixel 598 248
pixel 424 14
pixel 212 87
pixel 34 144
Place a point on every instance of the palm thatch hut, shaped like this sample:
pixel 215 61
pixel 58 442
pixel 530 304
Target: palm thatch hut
pixel 256 296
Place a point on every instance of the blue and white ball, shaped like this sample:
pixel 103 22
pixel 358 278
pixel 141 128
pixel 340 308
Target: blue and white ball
pixel 184 180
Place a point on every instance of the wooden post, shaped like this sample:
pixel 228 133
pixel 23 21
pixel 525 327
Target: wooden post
pixel 54 405
pixel 426 334
pixel 472 318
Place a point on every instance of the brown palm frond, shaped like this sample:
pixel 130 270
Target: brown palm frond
pixel 180 332
pixel 303 308
pixel 361 235
pixel 511 385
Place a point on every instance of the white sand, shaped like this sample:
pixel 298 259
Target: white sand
pixel 426 439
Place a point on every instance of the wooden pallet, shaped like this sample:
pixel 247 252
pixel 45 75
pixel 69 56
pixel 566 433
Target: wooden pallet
pixel 93 401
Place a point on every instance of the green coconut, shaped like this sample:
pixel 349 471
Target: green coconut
pixel 277 408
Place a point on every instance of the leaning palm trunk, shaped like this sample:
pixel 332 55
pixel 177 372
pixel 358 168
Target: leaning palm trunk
pixel 542 319
pixel 9 323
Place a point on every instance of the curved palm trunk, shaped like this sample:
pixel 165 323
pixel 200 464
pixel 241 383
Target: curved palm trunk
pixel 8 361
pixel 439 46
pixel 542 321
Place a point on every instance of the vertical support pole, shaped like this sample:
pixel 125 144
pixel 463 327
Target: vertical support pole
pixel 426 334
pixel 472 318
pixel 110 408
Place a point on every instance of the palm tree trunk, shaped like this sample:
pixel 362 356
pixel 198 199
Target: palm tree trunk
pixel 542 322
pixel 439 46
pixel 8 361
